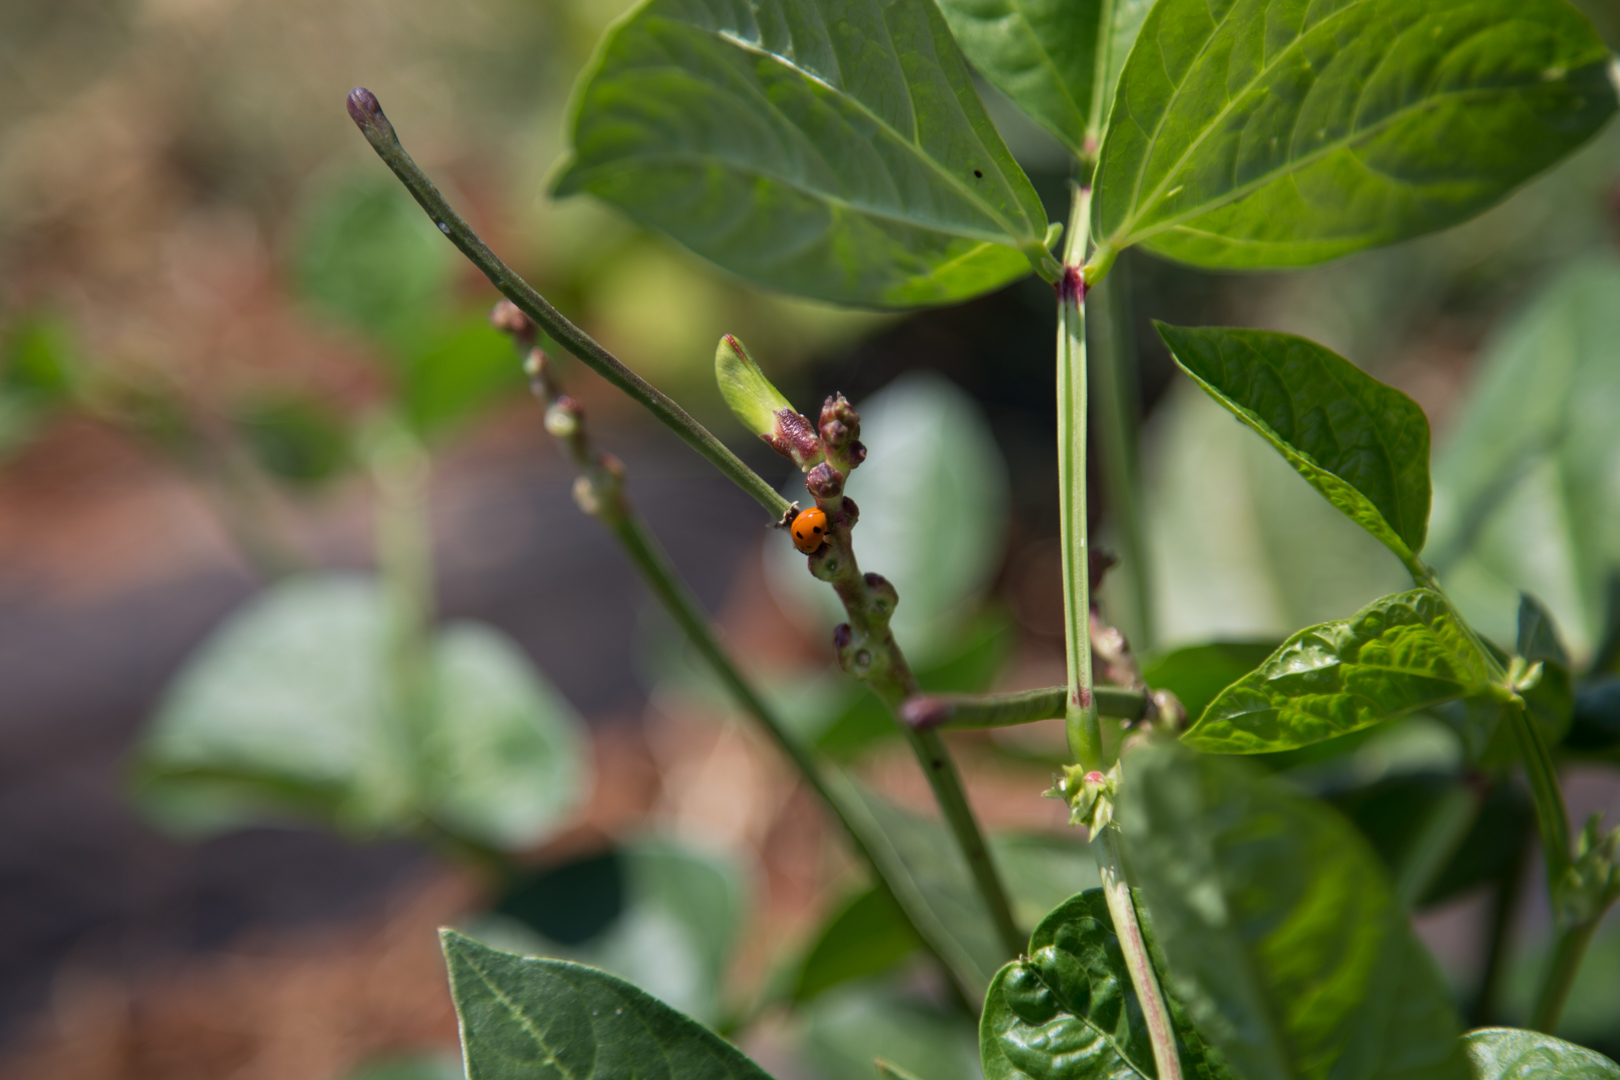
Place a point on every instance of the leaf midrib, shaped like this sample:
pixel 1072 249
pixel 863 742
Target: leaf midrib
pixel 518 1014
pixel 1124 237
pixel 816 194
pixel 1092 1024
pixel 861 106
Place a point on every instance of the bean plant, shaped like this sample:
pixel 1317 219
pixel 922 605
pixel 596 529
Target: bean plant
pixel 840 150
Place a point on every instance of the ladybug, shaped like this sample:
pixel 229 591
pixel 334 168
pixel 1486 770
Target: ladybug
pixel 810 530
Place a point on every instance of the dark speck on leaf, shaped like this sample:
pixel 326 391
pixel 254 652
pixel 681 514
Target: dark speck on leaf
pixel 978 175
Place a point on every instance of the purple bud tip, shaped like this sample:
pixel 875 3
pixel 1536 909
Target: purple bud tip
pixel 1095 777
pixel 923 713
pixel 506 318
pixel 842 636
pixel 364 107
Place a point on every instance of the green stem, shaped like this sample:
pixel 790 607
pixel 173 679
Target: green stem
pixel 1559 977
pixel 1080 711
pixel 1114 381
pixel 1128 928
pixel 368 114
pixel 600 493
pixel 1551 817
pixel 1504 907
pixel 973 712
pixel 1437 839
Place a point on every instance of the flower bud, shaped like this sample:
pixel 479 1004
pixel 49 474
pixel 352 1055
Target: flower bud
pixel 824 482
pixel 760 407
pixel 840 423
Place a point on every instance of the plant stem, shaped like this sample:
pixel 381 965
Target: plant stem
pixel 1114 380
pixel 973 712
pixel 600 492
pixel 1559 977
pixel 1080 711
pixel 368 115
pixel 1137 961
pixel 1551 817
pixel 1438 836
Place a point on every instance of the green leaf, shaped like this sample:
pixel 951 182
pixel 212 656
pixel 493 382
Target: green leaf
pixel 287 709
pixel 1404 652
pixel 867 936
pixel 369 258
pixel 1043 55
pixel 853 1027
pixel 833 149
pixel 933 498
pixel 454 371
pixel 1252 133
pixel 1510 1054
pixel 1198 673
pixel 1069 1008
pixel 1363 445
pixel 1282 936
pixel 503 759
pixel 659 913
pixel 540 1019
pixel 1523 482
pixel 298 439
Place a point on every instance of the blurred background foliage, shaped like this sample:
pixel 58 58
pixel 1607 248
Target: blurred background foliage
pixel 213 300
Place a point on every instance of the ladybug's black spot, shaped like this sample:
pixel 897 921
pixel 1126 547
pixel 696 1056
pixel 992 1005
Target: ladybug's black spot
pixel 816 528
pixel 977 175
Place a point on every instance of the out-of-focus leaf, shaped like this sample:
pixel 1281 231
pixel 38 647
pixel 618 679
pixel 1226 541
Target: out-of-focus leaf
pixel 369 258
pixel 1250 134
pixel 523 1018
pixel 1511 1054
pixel 298 439
pixel 867 936
pixel 661 914
pixel 504 760
pixel 1596 723
pixel 1198 673
pixel 832 150
pixel 1394 656
pixel 1524 481
pixel 1069 1008
pixel 933 502
pixel 1387 810
pixel 1363 445
pixel 888 1070
pixel 38 372
pixel 922 863
pixel 1281 934
pixel 287 708
pixel 460 371
pixel 853 1026
pixel 1043 55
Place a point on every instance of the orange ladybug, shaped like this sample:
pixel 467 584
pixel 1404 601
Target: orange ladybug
pixel 810 530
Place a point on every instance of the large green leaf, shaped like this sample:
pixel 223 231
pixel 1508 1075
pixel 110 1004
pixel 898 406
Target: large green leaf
pixel 288 709
pixel 1363 445
pixel 1396 655
pixel 1068 1009
pixel 1251 133
pixel 1510 1054
pixel 530 1019
pixel 1524 495
pixel 829 148
pixel 866 936
pixel 1043 54
pixel 1281 934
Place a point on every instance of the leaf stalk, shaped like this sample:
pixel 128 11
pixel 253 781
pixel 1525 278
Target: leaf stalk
pixel 1122 909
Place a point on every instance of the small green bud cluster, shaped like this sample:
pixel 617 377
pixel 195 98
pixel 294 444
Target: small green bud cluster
pixel 1090 795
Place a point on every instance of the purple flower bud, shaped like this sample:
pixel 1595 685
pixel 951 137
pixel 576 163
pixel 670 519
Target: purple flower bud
pixel 840 423
pixel 842 636
pixel 824 482
pixel 508 319
pixel 366 111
